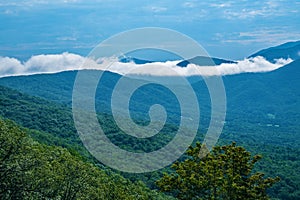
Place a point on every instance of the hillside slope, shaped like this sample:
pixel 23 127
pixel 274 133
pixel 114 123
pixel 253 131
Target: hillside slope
pixel 287 50
pixel 56 120
pixel 31 170
pixel 261 99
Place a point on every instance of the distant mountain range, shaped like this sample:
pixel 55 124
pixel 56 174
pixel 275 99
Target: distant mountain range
pixel 268 98
pixel 287 50
pixel 135 60
pixel 204 61
pixel 198 60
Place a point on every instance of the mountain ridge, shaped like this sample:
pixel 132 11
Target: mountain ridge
pixel 204 61
pixel 287 50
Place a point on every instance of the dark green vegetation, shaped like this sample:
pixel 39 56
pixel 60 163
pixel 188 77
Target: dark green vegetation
pixel 265 106
pixel 263 115
pixel 48 122
pixel 225 173
pixel 31 170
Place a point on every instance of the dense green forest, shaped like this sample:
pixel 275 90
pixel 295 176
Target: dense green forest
pixel 31 170
pixel 51 124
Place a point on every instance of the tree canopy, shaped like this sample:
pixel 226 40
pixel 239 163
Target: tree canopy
pixel 30 170
pixel 224 173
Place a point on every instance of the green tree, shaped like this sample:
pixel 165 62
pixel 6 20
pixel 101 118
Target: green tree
pixel 12 169
pixel 224 173
pixel 30 170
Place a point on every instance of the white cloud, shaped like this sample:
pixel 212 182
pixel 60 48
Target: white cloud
pixel 221 5
pixel 70 1
pixel 169 68
pixel 270 36
pixel 251 9
pixel 245 14
pixel 53 63
pixel 25 4
pixel 9 12
pixel 156 9
pixel 67 38
pixel 189 4
pixel 40 64
pixel 69 61
pixel 257 64
pixel 10 66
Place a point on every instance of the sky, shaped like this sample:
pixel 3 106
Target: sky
pixel 226 29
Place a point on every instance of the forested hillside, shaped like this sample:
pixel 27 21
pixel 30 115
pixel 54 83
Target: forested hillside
pixel 277 160
pixel 31 170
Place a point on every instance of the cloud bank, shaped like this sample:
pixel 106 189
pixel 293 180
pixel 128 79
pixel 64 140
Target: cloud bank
pixel 68 61
pixel 40 64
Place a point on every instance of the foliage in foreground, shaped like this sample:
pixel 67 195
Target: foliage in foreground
pixel 30 170
pixel 224 173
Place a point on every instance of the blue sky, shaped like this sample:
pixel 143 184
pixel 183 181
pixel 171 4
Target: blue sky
pixel 226 29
